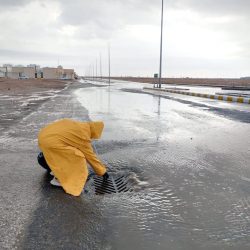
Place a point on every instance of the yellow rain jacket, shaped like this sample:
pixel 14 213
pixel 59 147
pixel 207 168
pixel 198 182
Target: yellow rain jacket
pixel 66 145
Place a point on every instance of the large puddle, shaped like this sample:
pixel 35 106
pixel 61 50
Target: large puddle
pixel 187 164
pixel 189 168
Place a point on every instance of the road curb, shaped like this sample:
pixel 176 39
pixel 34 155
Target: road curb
pixel 226 98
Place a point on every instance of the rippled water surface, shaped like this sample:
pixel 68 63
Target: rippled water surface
pixel 186 159
pixel 189 168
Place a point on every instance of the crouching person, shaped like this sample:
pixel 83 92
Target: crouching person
pixel 66 149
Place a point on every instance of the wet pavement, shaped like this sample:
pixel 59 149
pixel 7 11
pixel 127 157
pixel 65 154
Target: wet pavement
pixel 186 159
pixel 208 90
pixel 14 107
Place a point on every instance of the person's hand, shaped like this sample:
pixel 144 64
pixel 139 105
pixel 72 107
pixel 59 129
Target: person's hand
pixel 105 176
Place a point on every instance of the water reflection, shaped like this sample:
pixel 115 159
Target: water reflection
pixel 158 128
pixel 159 106
pixel 130 111
pixel 178 150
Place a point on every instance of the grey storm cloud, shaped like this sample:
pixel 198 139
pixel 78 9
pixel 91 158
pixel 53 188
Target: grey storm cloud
pixel 113 13
pixel 85 25
pixel 99 18
pixel 101 7
pixel 11 4
pixel 15 4
pixel 219 7
pixel 118 12
pixel 108 14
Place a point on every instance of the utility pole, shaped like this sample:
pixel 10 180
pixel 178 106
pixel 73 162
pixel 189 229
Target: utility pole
pixel 160 70
pixel 90 71
pixel 96 68
pixel 109 61
pixel 101 65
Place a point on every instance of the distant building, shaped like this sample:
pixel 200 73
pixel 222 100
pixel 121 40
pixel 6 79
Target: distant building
pixel 52 73
pixel 6 68
pixel 16 72
pixel 20 72
pixel 34 71
pixel 2 72
pixel 68 74
pixel 7 65
pixel 58 73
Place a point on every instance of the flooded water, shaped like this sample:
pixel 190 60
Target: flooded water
pixel 186 161
pixel 189 168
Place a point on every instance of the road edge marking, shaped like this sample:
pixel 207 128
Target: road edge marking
pixel 227 98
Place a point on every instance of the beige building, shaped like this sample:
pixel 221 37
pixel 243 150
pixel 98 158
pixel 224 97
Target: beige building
pixel 68 74
pixel 17 72
pixel 58 73
pixel 2 72
pixel 34 71
pixel 21 72
pixel 52 73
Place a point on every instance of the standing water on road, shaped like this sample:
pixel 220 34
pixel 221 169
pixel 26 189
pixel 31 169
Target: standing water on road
pixel 189 167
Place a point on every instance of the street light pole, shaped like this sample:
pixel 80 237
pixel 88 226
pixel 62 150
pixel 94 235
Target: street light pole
pixel 96 69
pixel 160 70
pixel 101 65
pixel 109 62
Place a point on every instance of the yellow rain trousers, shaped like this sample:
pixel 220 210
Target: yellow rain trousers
pixel 66 145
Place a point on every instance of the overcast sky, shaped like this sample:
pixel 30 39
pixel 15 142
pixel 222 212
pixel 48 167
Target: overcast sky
pixel 202 38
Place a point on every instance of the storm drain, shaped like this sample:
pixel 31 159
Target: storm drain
pixel 110 186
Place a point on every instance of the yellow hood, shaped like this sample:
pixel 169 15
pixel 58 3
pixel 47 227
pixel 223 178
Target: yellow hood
pixel 96 129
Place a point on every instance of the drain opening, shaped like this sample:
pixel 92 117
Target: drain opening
pixel 110 186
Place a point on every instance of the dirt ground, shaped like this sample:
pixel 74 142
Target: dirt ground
pixel 13 86
pixel 18 98
pixel 217 82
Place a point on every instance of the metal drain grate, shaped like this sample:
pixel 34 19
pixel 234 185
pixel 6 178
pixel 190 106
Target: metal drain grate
pixel 110 186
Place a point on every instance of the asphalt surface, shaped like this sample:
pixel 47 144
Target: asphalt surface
pixel 186 159
pixel 209 90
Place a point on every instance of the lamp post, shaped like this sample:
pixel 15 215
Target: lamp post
pixel 109 61
pixel 160 70
pixel 101 66
pixel 96 73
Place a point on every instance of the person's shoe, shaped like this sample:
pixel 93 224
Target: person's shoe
pixel 55 182
pixel 51 173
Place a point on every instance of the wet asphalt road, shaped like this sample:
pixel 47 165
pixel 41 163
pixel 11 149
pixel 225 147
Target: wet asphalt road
pixel 208 90
pixel 186 158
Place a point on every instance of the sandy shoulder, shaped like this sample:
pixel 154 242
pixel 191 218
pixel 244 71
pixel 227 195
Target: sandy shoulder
pixel 12 86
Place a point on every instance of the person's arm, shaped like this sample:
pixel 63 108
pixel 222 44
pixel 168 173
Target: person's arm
pixel 92 159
